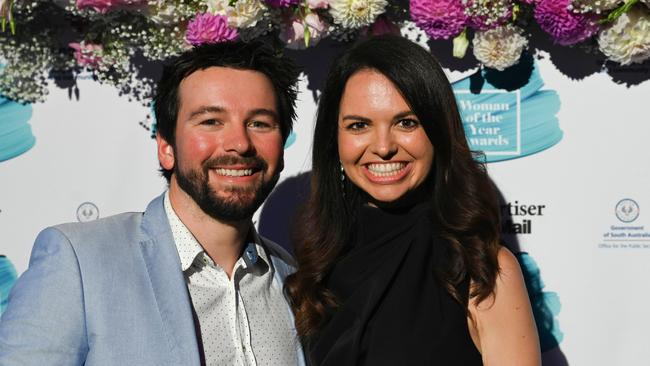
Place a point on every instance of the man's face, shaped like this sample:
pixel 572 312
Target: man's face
pixel 228 149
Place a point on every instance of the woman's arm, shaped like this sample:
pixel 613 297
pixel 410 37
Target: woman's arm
pixel 504 323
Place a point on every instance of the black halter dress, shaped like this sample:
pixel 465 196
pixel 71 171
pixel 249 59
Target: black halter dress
pixel 392 309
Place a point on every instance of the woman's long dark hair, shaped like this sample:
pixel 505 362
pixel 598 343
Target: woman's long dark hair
pixel 463 198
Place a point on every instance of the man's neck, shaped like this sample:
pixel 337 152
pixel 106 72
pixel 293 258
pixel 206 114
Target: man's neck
pixel 222 241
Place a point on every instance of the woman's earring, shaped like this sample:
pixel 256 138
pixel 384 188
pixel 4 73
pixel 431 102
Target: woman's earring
pixel 342 178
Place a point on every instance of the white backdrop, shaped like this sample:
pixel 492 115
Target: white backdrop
pixel 595 283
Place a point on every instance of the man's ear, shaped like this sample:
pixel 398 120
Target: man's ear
pixel 165 153
pixel 281 164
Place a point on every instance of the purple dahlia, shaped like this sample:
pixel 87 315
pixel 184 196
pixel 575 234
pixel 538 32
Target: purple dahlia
pixel 282 3
pixel 439 18
pixel 565 26
pixel 208 28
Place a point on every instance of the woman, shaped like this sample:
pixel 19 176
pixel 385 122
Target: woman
pixel 400 262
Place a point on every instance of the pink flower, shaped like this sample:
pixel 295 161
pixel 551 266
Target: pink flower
pixel 318 4
pixel 87 54
pixel 439 18
pixel 103 6
pixel 208 28
pixel 294 31
pixel 565 26
pixel 282 3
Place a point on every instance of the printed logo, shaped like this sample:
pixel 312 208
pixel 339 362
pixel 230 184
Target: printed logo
pixel 491 126
pixel 87 211
pixel 509 124
pixel 627 210
pixel 518 217
pixel 627 232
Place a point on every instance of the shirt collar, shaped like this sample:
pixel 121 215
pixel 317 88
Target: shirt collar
pixel 189 248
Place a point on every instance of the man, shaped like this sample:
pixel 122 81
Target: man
pixel 189 281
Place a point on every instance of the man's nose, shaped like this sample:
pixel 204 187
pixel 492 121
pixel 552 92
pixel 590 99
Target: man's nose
pixel 237 139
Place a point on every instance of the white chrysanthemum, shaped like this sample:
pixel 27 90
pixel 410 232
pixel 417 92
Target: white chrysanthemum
pixel 217 7
pixel 499 48
pixel 627 41
pixel 163 13
pixel 356 13
pixel 244 14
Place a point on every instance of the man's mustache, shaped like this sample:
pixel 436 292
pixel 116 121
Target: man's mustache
pixel 255 162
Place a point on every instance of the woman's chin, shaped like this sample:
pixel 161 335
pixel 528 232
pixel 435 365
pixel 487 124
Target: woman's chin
pixel 407 199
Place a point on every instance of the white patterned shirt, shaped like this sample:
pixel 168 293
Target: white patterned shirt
pixel 242 320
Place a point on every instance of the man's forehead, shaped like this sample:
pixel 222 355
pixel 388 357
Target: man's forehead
pixel 225 73
pixel 227 85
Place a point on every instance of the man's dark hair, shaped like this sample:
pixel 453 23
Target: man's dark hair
pixel 255 56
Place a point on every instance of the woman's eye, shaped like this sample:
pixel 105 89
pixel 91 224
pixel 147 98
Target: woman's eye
pixel 356 126
pixel 408 123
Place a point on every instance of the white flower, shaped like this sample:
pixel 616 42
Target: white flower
pixel 4 8
pixel 163 13
pixel 627 41
pixel 356 13
pixel 499 48
pixel 595 6
pixel 217 7
pixel 244 14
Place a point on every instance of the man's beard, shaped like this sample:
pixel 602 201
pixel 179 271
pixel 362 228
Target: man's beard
pixel 240 203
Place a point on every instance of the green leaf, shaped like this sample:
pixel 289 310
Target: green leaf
pixel 515 12
pixel 307 35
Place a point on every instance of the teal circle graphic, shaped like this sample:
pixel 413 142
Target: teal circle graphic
pixel 15 133
pixel 546 305
pixel 290 140
pixel 7 280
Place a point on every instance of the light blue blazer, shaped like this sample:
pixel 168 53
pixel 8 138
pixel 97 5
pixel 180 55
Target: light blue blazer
pixel 108 292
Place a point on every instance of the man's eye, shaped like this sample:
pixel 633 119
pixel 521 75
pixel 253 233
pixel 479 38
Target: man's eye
pixel 261 125
pixel 408 123
pixel 210 122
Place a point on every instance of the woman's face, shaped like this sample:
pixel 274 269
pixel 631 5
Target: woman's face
pixel 383 147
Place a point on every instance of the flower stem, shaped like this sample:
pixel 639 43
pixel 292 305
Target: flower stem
pixel 618 11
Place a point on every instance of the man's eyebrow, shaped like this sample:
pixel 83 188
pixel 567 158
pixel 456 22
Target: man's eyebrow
pixel 206 110
pixel 264 112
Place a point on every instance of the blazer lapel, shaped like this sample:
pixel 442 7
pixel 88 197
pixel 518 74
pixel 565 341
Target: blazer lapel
pixel 168 284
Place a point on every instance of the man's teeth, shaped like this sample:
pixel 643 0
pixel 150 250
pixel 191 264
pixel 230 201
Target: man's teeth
pixel 385 170
pixel 234 172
